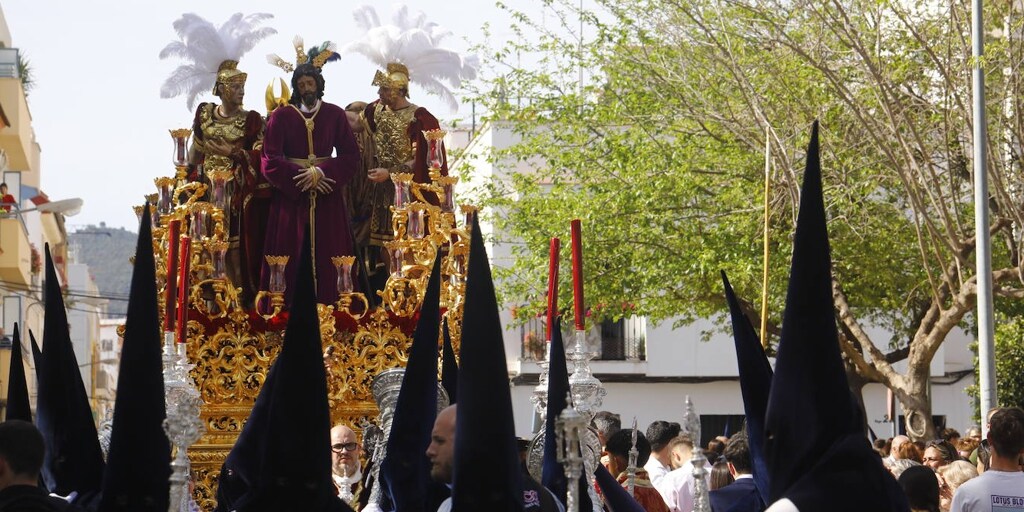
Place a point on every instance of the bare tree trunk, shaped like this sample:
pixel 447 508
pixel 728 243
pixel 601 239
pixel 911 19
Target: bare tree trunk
pixel 915 399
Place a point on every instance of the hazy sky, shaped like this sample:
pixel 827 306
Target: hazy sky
pixel 96 105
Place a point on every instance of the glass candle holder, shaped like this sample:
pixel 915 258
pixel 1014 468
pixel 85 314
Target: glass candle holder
pixel 417 223
pixel 447 184
pixel 402 189
pixel 218 254
pixel 219 178
pixel 468 213
pixel 344 266
pixel 165 195
pixel 397 255
pixel 277 266
pixel 200 228
pixel 180 138
pixel 435 148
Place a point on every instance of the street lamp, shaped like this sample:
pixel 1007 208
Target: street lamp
pixel 65 207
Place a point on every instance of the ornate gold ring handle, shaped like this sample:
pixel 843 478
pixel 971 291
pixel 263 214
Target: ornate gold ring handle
pixel 225 295
pixel 276 303
pixel 345 304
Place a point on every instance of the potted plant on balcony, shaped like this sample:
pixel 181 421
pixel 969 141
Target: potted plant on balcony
pixel 36 265
pixel 533 346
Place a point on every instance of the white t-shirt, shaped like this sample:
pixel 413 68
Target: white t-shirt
pixel 993 491
pixel 656 470
pixel 677 487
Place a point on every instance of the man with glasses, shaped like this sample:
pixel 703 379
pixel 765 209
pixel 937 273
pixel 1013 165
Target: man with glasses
pixel 346 468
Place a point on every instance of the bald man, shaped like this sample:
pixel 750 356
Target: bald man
pixel 346 468
pixel 441 451
pixel 896 442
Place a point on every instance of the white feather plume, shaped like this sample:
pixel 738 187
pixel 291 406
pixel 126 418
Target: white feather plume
pixel 415 42
pixel 204 47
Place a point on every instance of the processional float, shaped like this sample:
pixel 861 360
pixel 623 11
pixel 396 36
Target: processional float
pixel 218 351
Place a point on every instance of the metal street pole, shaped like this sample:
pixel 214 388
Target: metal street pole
pixel 986 356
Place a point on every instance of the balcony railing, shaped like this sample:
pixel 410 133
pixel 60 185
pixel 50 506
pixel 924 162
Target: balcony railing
pixel 9 63
pixel 16 255
pixel 622 340
pixel 533 339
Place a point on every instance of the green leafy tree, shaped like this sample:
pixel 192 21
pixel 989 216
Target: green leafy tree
pixel 1009 357
pixel 660 150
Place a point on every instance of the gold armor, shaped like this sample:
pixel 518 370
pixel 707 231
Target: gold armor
pixel 394 148
pixel 230 130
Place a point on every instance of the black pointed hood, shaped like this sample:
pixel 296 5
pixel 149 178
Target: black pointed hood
pixel 282 459
pixel 138 462
pixel 37 355
pixel 553 473
pixel 486 470
pixel 449 366
pixel 755 384
pixel 615 497
pixel 18 405
pixel 405 471
pixel 815 445
pixel 74 460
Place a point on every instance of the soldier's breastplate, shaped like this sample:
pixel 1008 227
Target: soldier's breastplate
pixel 391 137
pixel 231 130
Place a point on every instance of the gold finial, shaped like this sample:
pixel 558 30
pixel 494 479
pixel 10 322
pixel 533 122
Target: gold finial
pixel 277 260
pixel 338 261
pixel 300 50
pixel 274 101
pixel 435 134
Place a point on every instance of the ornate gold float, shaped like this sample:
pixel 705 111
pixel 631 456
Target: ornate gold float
pixel 232 347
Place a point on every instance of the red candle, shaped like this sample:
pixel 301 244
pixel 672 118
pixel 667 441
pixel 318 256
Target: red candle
pixel 171 289
pixel 184 254
pixel 556 244
pixel 577 274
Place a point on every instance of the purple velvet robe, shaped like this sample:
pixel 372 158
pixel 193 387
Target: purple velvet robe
pixel 286 139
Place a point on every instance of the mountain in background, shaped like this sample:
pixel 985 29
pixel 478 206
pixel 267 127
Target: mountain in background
pixel 107 252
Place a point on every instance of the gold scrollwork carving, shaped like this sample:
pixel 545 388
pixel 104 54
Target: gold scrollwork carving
pixel 205 478
pixel 358 357
pixel 230 365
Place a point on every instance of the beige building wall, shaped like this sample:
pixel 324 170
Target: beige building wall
pixel 22 235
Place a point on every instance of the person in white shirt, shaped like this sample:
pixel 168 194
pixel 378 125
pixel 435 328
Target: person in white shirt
pixel 659 434
pixel 677 487
pixel 1001 488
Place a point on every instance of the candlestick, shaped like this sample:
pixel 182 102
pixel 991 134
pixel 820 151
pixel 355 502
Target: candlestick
pixel 171 289
pixel 185 256
pixel 180 137
pixel 577 274
pixel 556 244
